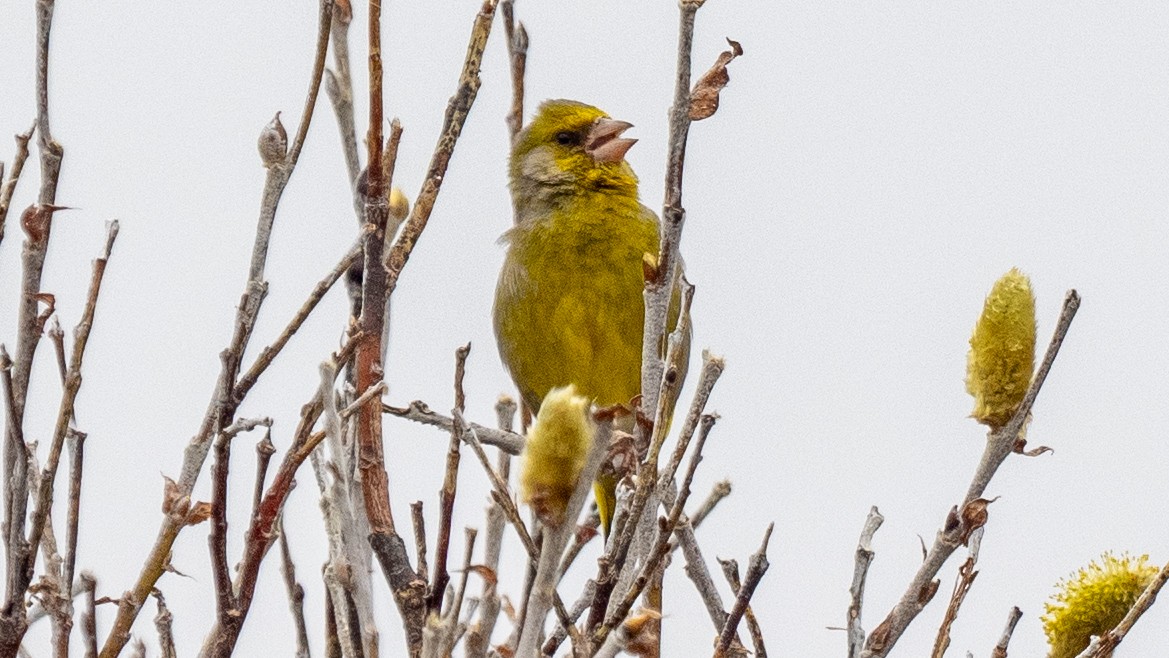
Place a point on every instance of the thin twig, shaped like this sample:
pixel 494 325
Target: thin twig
pixel 8 186
pixel 89 616
pixel 506 440
pixel 264 451
pixel 295 593
pixel 419 523
pixel 76 468
pixel 661 546
pixel 44 497
pixel 503 497
pixel 452 616
pixel 479 633
pixel 864 558
pixel 1000 649
pixel 561 633
pixel 37 223
pixel 999 444
pixel 226 606
pixel 517 55
pixel 446 495
pixel 375 391
pixel 962 585
pixel 731 571
pixel 456 115
pixel 223 401
pixel 339 88
pixel 756 567
pixel 261 533
pixel 269 353
pixel 699 575
pixel 659 286
pixel 615 557
pixel 162 623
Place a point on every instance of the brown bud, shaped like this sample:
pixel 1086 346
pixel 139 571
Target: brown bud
pixel 273 142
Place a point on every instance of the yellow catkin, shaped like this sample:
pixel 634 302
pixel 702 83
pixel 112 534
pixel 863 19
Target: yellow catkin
pixel 555 454
pixel 1093 601
pixel 399 204
pixel 1002 350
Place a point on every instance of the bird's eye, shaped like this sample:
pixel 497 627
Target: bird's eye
pixel 565 138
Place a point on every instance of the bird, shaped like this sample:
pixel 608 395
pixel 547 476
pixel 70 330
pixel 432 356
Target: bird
pixel 569 308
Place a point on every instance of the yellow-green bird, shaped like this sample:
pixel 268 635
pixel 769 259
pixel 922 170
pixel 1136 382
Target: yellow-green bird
pixel 568 307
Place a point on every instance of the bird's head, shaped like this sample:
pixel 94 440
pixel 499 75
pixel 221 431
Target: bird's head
pixel 570 145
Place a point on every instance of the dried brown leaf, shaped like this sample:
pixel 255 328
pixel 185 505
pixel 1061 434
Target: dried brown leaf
pixel 704 97
pixel 172 501
pixel 484 572
pixel 199 513
pixel 974 516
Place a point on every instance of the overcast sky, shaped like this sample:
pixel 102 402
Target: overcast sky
pixel 874 167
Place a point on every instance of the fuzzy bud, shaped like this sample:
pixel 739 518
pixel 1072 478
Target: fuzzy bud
pixel 555 454
pixel 1093 601
pixel 399 204
pixel 273 142
pixel 1002 350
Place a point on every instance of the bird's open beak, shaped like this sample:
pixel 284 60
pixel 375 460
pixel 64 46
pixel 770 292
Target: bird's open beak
pixel 605 143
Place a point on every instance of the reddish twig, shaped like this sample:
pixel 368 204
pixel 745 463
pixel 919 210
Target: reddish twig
pixel 446 495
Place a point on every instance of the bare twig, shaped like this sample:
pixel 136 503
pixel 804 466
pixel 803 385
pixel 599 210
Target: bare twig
pixel 659 286
pixel 479 633
pixel 419 523
pixel 999 445
pixel 37 224
pixel 720 490
pixel 1000 649
pixel 731 571
pixel 295 593
pixel 220 641
pixel 264 451
pixel 89 616
pixel 661 546
pixel 517 55
pixel 44 496
pixel 962 585
pixel 502 496
pixel 339 88
pixel 756 567
pixel 561 633
pixel 223 402
pixel 698 573
pixel 226 606
pixel 375 391
pixel 506 440
pixel 8 186
pixel 864 558
pixel 615 557
pixel 162 623
pixel 269 353
pixel 451 618
pixel 446 495
pixel 456 115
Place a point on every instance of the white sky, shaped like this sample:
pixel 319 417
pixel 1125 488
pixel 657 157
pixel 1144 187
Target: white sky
pixel 872 170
